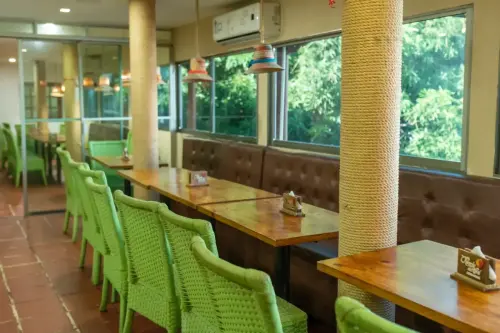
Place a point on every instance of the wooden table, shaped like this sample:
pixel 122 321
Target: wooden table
pixel 117 163
pixel 145 178
pixel 218 191
pixel 416 276
pixel 263 220
pixel 47 139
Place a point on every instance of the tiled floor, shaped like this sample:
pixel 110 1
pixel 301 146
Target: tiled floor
pixel 42 290
pixel 40 198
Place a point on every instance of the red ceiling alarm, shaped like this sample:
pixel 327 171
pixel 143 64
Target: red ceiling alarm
pixel 331 3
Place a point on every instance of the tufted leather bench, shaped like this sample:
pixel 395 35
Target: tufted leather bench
pixel 203 155
pixel 243 164
pixel 451 209
pixel 105 132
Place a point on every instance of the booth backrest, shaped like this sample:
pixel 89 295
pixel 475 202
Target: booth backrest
pixel 451 209
pixel 315 178
pixel 106 132
pixel 243 164
pixel 237 162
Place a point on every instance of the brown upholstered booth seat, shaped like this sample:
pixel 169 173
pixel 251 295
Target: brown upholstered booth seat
pixel 451 209
pixel 106 132
pixel 200 155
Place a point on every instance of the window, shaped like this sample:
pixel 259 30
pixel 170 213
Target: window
pixel 310 106
pixel 163 98
pixel 235 96
pixel 432 106
pixel 203 102
pixel 228 105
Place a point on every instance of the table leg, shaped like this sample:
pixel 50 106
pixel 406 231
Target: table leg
pixel 36 147
pixel 282 272
pixel 127 187
pixel 49 158
pixel 58 167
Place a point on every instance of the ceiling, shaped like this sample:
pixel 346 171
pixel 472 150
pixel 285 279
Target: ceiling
pixel 169 13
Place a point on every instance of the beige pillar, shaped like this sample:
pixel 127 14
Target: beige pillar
pixel 369 154
pixel 143 92
pixel 71 101
pixel 41 102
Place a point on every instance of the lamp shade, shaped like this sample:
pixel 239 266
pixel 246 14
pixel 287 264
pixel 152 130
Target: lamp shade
pixel 57 91
pixel 197 71
pixel 263 60
pixel 88 82
pixel 159 79
pixel 126 78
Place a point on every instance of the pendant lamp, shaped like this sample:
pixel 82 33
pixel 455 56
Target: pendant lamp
pixel 88 82
pixel 104 82
pixel 57 91
pixel 126 78
pixel 197 66
pixel 263 60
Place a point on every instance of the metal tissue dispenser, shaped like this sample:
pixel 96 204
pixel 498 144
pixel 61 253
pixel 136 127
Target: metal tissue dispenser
pixel 197 178
pixel 476 269
pixel 292 204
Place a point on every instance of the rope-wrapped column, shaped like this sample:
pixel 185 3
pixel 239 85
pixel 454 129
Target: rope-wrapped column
pixel 369 155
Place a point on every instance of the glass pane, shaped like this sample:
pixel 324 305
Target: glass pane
pixel 102 77
pixel 235 96
pixel 45 95
pixel 203 95
pixel 164 92
pixel 433 88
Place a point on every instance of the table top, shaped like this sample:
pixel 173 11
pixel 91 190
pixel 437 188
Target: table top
pixel 262 219
pixel 45 137
pixel 147 177
pixel 117 163
pixel 416 276
pixel 217 191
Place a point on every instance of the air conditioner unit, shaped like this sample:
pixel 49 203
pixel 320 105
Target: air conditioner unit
pixel 242 25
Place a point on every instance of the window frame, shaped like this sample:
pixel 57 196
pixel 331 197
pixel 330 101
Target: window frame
pixel 210 134
pixel 405 160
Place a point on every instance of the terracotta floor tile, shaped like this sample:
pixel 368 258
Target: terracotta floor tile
pixel 8 327
pixel 34 271
pixel 44 315
pixel 21 256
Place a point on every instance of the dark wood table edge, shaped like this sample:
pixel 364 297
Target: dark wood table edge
pixel 121 167
pixel 407 304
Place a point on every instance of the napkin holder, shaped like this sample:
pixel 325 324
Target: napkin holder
pixel 125 156
pixel 292 205
pixel 474 270
pixel 197 179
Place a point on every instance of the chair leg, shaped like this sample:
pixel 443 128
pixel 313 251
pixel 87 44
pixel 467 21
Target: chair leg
pixel 104 295
pixel 18 178
pixel 127 327
pixel 123 310
pixel 44 177
pixel 113 295
pixel 96 268
pixel 66 222
pixel 83 253
pixel 76 218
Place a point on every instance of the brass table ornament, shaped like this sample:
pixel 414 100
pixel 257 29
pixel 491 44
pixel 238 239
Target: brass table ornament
pixel 292 205
pixel 476 269
pixel 197 179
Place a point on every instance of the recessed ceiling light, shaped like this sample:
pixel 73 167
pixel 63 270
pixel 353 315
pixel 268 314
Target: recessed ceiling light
pixel 24 50
pixel 64 10
pixel 12 60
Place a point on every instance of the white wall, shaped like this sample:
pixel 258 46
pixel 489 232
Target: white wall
pixel 302 19
pixel 9 93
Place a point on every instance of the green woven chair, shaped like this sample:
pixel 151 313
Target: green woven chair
pixel 6 125
pixel 115 262
pixel 30 143
pixel 129 142
pixel 15 164
pixel 354 317
pixel 197 311
pixel 3 150
pixel 244 299
pixel 151 289
pixel 107 148
pixel 73 203
pixel 91 231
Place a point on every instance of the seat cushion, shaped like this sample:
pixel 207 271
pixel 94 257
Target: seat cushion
pixel 292 318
